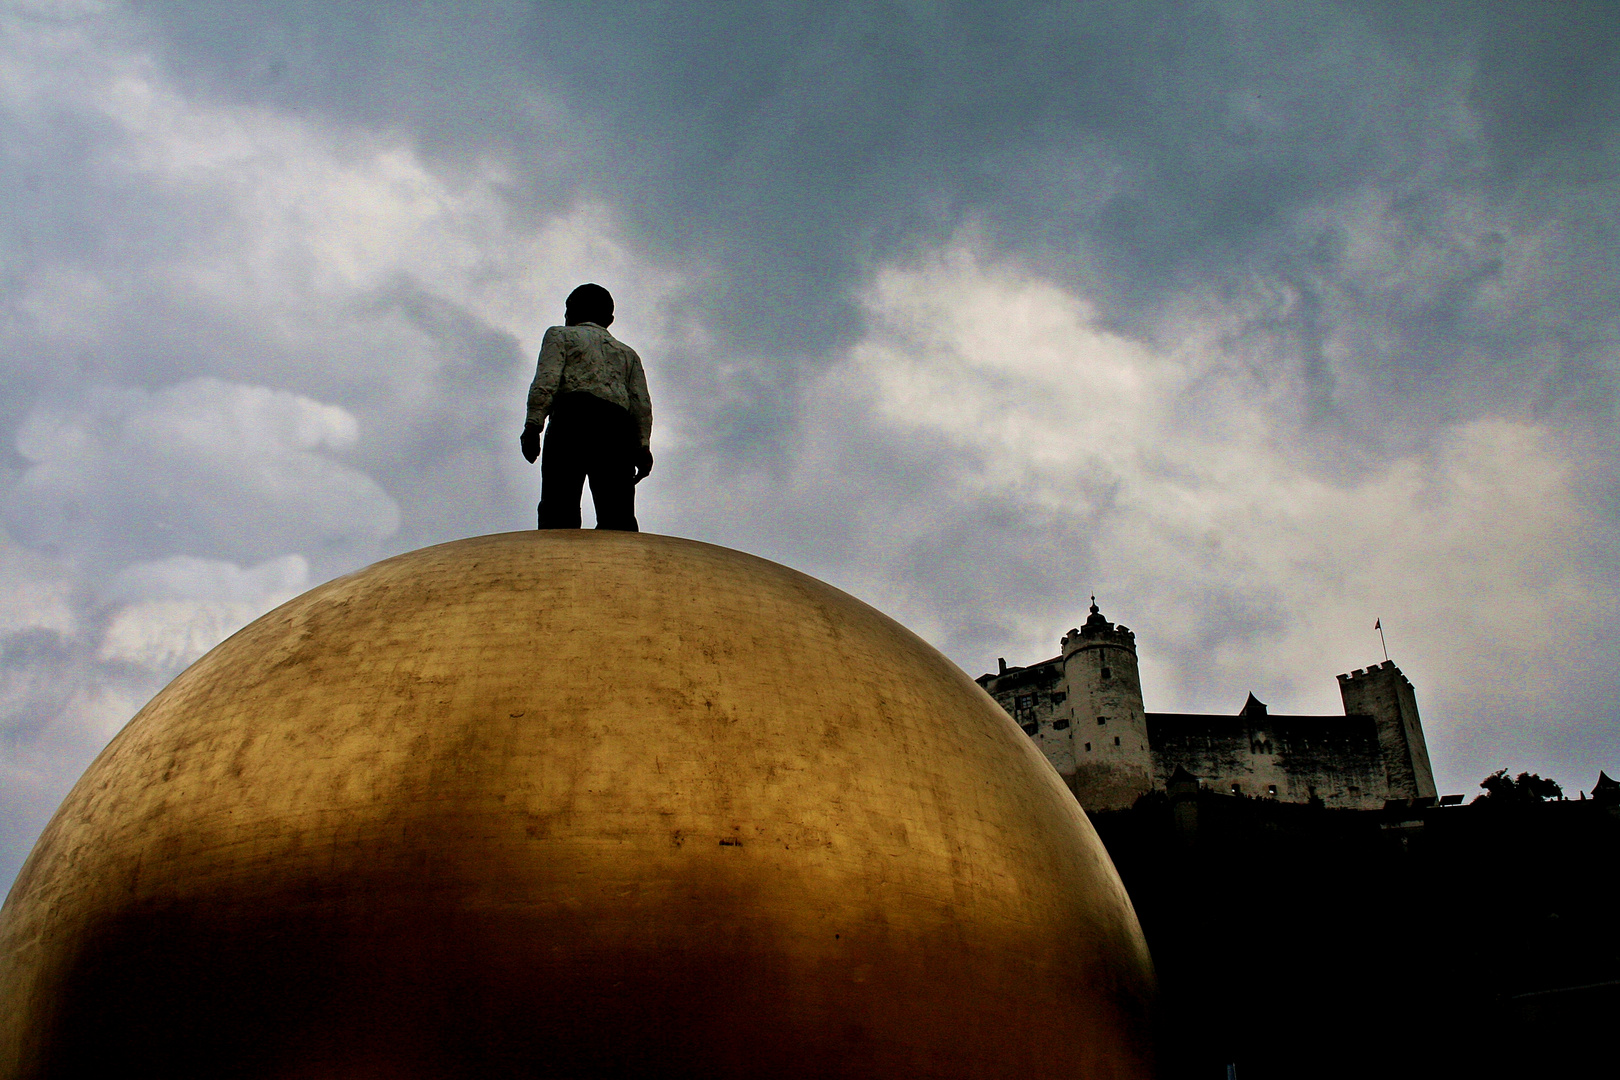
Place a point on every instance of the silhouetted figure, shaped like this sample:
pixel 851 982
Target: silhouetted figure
pixel 592 387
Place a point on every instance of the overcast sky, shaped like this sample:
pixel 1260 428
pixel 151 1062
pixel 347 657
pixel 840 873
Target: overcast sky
pixel 1261 321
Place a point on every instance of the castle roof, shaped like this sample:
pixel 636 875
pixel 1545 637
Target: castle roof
pixel 1043 672
pixel 1606 789
pixel 1095 619
pixel 1182 782
pixel 1097 627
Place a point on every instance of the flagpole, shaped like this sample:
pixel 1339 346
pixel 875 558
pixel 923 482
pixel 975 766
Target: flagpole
pixel 1378 625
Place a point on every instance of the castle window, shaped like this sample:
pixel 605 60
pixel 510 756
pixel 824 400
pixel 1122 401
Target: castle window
pixel 1116 740
pixel 1355 792
pixel 1102 720
pixel 1088 748
pixel 1029 728
pixel 1237 789
pixel 1271 789
pixel 1108 673
pixel 1026 700
pixel 1060 725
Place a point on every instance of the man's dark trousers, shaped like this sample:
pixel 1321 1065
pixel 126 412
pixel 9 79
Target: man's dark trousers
pixel 589 437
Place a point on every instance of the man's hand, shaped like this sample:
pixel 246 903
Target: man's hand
pixel 530 442
pixel 643 463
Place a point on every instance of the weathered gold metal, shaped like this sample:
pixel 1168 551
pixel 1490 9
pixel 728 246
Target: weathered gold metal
pixel 568 804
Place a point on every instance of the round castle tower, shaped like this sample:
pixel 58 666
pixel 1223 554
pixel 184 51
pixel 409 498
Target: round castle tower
pixel 1113 766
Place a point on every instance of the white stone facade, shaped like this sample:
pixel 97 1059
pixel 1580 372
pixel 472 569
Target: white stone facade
pixel 1084 709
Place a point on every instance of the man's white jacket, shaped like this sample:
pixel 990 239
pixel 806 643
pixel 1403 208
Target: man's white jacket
pixel 585 357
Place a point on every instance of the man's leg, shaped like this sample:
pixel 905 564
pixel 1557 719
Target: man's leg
pixel 613 487
pixel 562 478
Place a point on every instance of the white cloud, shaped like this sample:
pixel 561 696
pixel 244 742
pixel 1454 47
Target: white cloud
pixel 290 220
pixel 205 465
pixel 190 605
pixel 1209 521
pixel 270 249
pixel 35 593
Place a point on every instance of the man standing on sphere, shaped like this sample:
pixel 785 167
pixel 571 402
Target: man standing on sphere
pixel 592 387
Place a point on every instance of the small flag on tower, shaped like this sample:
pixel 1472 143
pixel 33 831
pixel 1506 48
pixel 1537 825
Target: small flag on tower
pixel 1378 624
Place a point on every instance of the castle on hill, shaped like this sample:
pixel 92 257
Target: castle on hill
pixel 1083 708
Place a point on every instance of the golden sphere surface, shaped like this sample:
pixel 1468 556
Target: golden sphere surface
pixel 570 804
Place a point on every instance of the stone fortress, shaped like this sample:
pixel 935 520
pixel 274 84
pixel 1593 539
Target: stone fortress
pixel 1083 708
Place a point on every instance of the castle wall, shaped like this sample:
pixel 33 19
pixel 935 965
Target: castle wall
pixel 1336 759
pixel 1084 711
pixel 1036 699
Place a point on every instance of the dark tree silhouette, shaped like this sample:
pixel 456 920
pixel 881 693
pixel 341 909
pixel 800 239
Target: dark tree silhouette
pixel 1527 787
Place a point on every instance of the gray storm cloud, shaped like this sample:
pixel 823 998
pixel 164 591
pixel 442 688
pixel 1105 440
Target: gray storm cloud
pixel 1172 147
pixel 199 466
pixel 1262 320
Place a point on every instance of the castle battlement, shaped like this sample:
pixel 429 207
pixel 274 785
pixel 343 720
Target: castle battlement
pixel 1373 672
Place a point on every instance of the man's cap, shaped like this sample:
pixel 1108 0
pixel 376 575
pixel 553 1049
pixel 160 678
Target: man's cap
pixel 590 302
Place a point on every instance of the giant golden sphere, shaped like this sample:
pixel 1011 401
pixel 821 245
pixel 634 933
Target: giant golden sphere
pixel 571 804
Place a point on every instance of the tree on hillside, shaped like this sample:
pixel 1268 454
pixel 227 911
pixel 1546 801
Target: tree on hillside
pixel 1526 788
